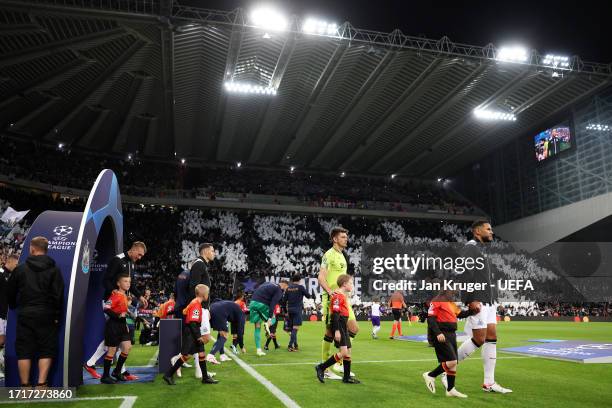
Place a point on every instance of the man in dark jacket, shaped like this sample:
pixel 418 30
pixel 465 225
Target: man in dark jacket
pixel 200 269
pixel 39 286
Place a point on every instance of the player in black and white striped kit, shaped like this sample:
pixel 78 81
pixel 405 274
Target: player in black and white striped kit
pixel 483 324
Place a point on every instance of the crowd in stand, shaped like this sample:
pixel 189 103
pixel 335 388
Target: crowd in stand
pixel 254 246
pixel 31 161
pixel 556 309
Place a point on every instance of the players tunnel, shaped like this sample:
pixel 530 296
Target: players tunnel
pixel 81 243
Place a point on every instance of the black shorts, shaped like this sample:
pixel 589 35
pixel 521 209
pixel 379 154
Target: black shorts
pixel 115 332
pixel 446 351
pixel 345 339
pixel 295 317
pixel 36 338
pixel 397 314
pixel 218 323
pixel 190 346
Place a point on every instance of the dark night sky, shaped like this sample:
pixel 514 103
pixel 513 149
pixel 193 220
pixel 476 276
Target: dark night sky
pixel 567 28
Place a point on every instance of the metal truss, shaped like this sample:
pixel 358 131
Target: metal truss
pixel 395 39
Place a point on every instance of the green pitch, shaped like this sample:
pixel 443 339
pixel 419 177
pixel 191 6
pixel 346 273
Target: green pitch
pixel 390 371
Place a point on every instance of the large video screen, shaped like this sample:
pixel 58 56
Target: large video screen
pixel 553 141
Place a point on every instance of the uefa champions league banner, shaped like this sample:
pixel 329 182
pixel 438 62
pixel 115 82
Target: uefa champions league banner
pixel 81 244
pixel 60 228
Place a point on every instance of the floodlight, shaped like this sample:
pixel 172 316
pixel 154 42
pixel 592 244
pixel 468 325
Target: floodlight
pixel 487 114
pixel 513 54
pixel 269 19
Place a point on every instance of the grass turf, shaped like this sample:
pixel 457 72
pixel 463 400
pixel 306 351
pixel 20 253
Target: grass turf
pixel 536 382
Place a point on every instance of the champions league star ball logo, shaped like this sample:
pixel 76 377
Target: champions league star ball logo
pixel 62 230
pixel 85 259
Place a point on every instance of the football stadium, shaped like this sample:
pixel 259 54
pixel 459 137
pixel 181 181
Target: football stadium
pixel 305 204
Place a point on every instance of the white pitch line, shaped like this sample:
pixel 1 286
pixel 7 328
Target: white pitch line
pixel 281 396
pixel 153 359
pixel 128 400
pixel 372 361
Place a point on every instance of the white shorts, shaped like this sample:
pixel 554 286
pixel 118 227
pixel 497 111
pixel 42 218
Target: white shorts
pixel 2 327
pixel 205 325
pixel 487 315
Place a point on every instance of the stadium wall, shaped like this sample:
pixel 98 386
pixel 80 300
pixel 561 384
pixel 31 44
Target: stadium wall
pixel 545 228
pixel 510 184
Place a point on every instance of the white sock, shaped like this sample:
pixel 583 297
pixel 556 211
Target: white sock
pixel 198 370
pixel 100 351
pixel 489 358
pixel 466 349
pixel 376 329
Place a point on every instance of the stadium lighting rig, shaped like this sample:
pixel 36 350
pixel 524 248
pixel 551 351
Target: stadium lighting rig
pixel 267 18
pixel 556 61
pixel 246 88
pixel 599 127
pixel 319 27
pixel 487 114
pixel 513 54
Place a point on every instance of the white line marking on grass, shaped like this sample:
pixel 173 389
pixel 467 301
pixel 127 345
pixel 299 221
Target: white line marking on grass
pixel 374 361
pixel 128 400
pixel 281 396
pixel 153 359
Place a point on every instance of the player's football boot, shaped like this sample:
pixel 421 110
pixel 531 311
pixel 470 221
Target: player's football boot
pixel 209 380
pixel 130 377
pixel 330 375
pixel 211 359
pixel 454 393
pixel 118 377
pixel 173 361
pixel 169 380
pixel 430 382
pixel 224 357
pixel 351 380
pixel 260 352
pixel 339 369
pixel 92 371
pixel 320 373
pixel 495 387
pixel 107 380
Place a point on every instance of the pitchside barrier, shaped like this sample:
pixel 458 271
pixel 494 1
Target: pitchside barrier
pixel 81 243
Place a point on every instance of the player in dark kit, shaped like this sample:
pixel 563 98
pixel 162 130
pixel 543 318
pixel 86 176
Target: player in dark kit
pixel 116 331
pixel 192 341
pixel 222 313
pixel 441 327
pixel 293 301
pixel 339 309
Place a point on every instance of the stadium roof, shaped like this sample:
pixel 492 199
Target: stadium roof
pixel 148 77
